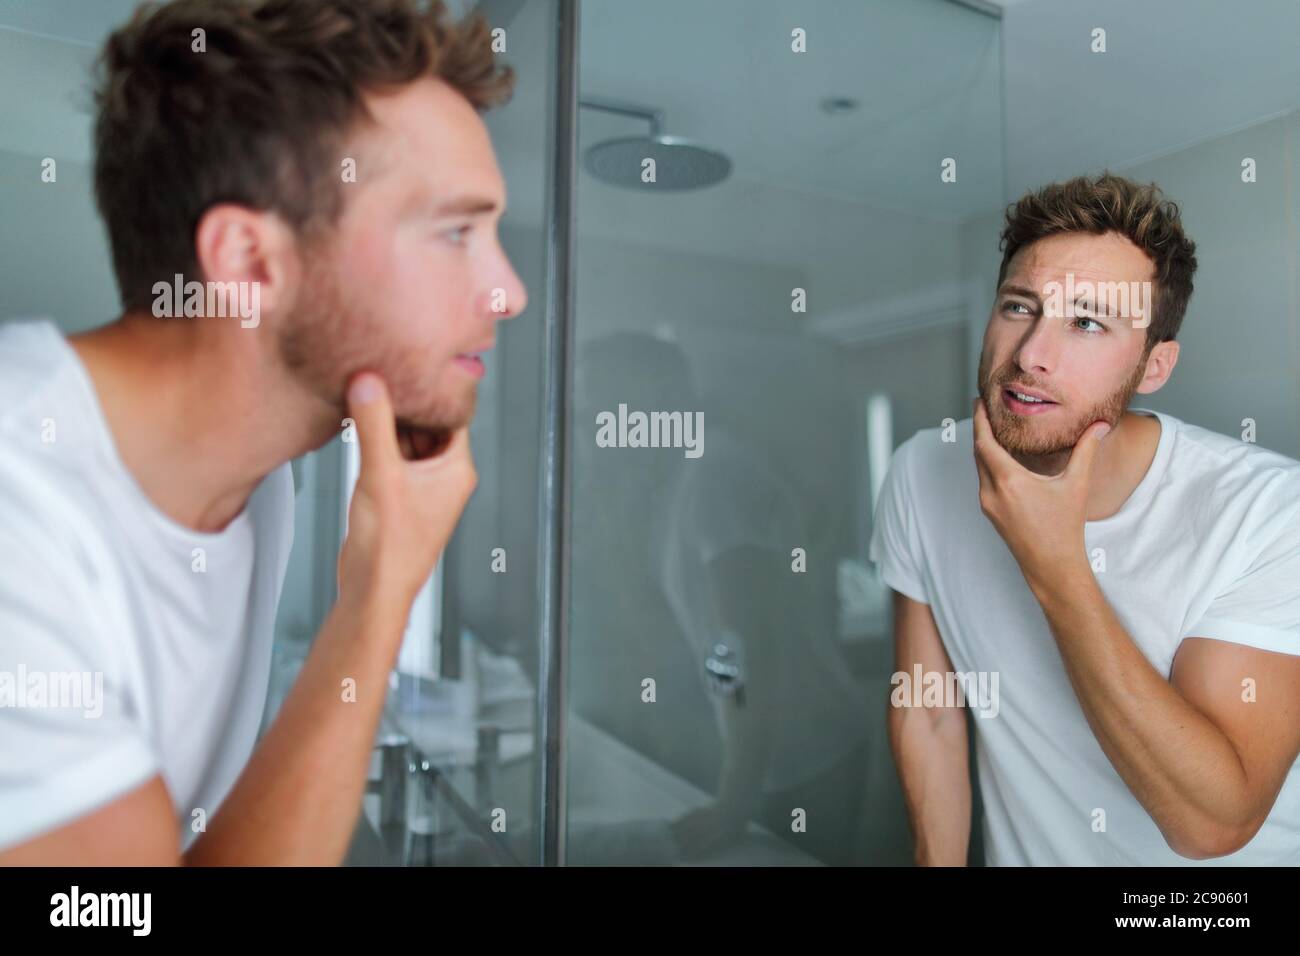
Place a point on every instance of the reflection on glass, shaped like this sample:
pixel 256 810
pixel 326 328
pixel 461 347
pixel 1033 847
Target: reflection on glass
pixel 729 642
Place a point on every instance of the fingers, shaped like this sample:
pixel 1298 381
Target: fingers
pixel 370 407
pixel 988 452
pixel 1085 450
pixel 454 463
pixel 387 444
pixel 980 423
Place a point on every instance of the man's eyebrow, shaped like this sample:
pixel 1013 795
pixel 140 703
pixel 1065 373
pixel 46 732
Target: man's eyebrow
pixel 1018 290
pixel 1094 305
pixel 464 206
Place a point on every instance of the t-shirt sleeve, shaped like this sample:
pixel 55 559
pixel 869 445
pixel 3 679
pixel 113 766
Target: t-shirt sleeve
pixel 69 742
pixel 1261 607
pixel 895 539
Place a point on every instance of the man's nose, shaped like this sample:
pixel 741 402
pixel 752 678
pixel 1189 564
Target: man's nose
pixel 1038 349
pixel 508 296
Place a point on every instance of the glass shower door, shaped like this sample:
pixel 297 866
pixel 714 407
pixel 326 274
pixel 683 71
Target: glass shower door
pixel 464 695
pixel 771 254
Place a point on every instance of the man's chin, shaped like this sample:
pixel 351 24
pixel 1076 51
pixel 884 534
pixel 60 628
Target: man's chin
pixel 1030 446
pixel 1029 438
pixel 446 416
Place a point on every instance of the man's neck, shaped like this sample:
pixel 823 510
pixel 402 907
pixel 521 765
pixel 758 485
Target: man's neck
pixel 199 416
pixel 1122 462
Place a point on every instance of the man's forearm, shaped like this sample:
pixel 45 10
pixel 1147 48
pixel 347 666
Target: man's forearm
pixel 297 801
pixel 930 749
pixel 1178 764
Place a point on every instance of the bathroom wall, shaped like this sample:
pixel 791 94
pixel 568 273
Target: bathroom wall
pixel 1240 356
pixel 54 259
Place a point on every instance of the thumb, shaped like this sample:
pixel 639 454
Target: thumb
pixel 1085 450
pixel 370 407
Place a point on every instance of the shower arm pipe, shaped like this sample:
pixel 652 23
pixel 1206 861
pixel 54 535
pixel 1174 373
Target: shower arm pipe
pixel 655 117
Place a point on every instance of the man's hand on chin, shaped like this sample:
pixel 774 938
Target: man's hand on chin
pixel 1040 517
pixel 412 487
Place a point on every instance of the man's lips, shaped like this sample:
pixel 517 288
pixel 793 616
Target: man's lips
pixel 472 361
pixel 471 364
pixel 1026 401
pixel 1026 390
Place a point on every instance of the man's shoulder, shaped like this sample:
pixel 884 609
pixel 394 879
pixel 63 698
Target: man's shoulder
pixel 47 510
pixel 31 352
pixel 943 453
pixel 1232 467
pixel 49 442
pixel 51 472
pixel 58 568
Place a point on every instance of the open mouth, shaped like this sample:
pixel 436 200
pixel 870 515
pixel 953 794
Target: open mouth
pixel 472 362
pixel 1024 403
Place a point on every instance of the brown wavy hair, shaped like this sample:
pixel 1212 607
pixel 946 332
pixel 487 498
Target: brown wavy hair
pixel 1109 203
pixel 260 117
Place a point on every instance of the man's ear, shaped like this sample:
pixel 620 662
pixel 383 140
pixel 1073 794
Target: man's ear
pixel 236 244
pixel 1160 365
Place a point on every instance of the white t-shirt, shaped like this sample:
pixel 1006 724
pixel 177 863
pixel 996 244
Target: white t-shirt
pixel 1207 545
pixel 95 580
pixel 727 498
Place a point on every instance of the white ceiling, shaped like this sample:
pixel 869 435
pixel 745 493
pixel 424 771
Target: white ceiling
pixel 849 199
pixel 1175 73
pixel 926 73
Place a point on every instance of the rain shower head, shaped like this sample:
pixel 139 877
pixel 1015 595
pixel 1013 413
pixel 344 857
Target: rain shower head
pixel 679 164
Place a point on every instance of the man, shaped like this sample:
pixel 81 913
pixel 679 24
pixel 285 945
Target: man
pixel 1132 581
pixel 327 155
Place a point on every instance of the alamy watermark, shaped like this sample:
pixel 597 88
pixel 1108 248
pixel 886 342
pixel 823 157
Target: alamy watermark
pixel 53 690
pixel 922 688
pixel 651 430
pixel 217 300
pixel 75 908
pixel 1069 300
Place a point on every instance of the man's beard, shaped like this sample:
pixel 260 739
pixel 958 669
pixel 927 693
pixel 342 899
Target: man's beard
pixel 328 338
pixel 1026 437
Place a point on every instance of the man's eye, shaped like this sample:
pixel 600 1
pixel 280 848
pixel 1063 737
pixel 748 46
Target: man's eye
pixel 458 235
pixel 1015 305
pixel 1084 318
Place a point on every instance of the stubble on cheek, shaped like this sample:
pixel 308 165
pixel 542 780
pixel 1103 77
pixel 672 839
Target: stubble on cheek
pixel 1023 435
pixel 339 328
